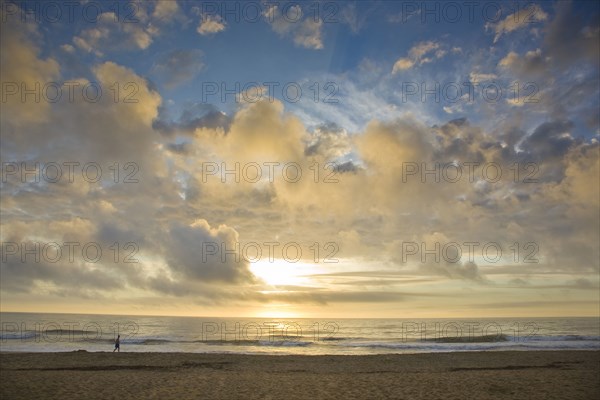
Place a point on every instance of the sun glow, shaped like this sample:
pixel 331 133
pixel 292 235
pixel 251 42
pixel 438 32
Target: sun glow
pixel 274 312
pixel 283 273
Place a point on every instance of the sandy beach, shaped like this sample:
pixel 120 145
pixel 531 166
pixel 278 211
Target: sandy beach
pixel 477 375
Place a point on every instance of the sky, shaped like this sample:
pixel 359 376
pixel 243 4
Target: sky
pixel 300 159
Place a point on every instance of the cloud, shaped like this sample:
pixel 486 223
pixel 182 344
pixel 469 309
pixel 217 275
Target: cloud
pixel 58 269
pixel 173 242
pixel 166 11
pixel 56 278
pixel 67 48
pixel 329 141
pixel 179 148
pixel 550 140
pixel 582 164
pixel 204 253
pixel 210 24
pixel 478 77
pixel 165 14
pixel 178 66
pixel 305 32
pixel 110 34
pixel 531 65
pixel 22 65
pixel 518 20
pixel 402 64
pixel 557 77
pixel 570 40
pixel 368 211
pixel 116 130
pixel 308 34
pixel 417 55
pixel 262 130
pixel 388 145
pixel 194 117
pixel 468 271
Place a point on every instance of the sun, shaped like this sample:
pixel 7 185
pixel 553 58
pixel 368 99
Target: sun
pixel 283 273
pixel 281 276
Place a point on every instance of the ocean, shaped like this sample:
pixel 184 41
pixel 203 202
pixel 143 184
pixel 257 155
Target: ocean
pixel 29 332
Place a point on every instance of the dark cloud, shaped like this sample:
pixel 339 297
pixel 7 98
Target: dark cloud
pixel 199 252
pixel 110 232
pixel 467 271
pixel 179 148
pixel 327 297
pixel 577 284
pixel 550 140
pixel 19 276
pixel 347 166
pixel 571 38
pixel 194 117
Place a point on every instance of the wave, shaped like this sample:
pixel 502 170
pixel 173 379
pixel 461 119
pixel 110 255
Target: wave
pixel 77 334
pixel 470 339
pixel 68 332
pixel 16 336
pixel 358 344
pixel 286 343
pixel 273 343
pixel 216 342
pixel 560 338
pixel 147 341
pixel 336 339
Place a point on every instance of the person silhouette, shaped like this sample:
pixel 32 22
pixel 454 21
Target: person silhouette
pixel 118 344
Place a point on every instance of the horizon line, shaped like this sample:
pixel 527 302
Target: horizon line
pixel 324 317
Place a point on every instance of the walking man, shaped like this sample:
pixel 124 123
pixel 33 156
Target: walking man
pixel 118 344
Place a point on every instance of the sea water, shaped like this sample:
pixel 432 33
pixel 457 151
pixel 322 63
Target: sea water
pixel 29 332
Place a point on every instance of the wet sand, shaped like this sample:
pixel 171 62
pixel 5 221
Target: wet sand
pixel 476 375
